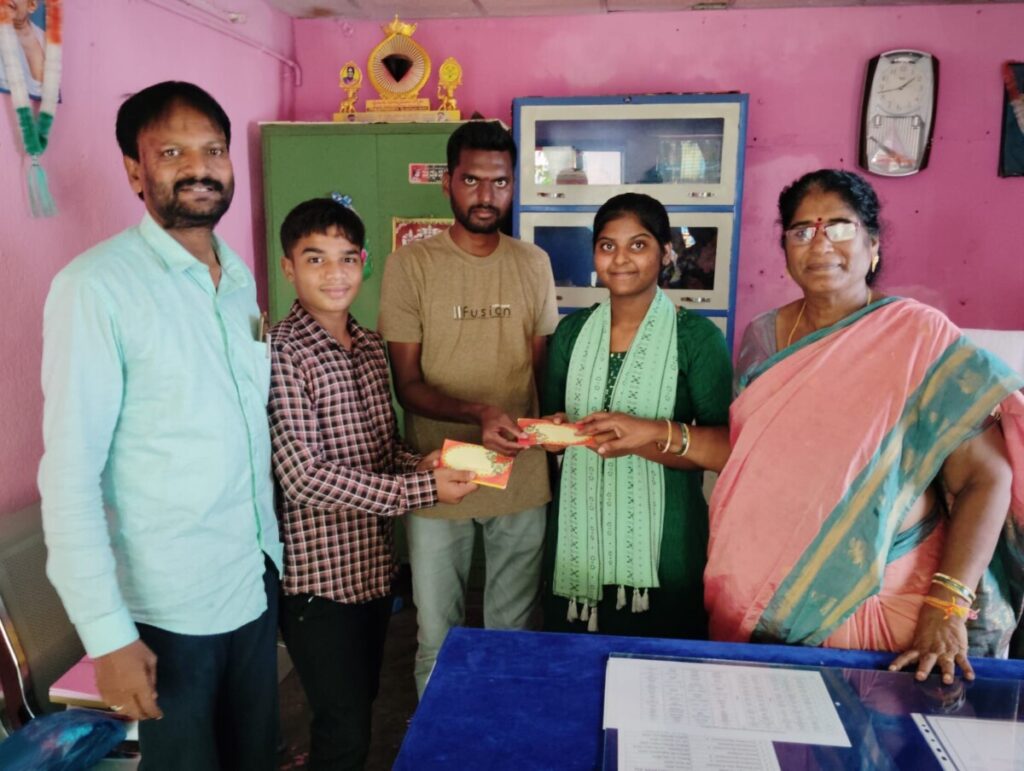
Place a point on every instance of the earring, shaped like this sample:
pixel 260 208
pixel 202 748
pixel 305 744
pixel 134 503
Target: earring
pixel 874 263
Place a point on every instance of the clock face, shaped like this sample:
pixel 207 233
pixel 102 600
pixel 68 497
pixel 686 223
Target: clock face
pixel 901 87
pixel 899 110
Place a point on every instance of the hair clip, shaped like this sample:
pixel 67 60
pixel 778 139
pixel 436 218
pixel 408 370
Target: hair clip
pixel 344 200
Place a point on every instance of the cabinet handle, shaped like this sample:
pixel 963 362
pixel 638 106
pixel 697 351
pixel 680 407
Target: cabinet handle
pixel 697 300
pixel 702 194
pixel 551 195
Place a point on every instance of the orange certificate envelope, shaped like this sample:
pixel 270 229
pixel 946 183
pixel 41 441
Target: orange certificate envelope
pixel 548 432
pixel 491 468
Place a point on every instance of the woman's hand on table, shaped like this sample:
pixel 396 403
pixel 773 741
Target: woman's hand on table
pixel 978 475
pixel 617 434
pixel 937 640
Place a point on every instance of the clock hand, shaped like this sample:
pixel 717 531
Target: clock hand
pixel 899 87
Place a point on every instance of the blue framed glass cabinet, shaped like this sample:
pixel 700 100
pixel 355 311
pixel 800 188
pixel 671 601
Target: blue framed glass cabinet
pixel 686 150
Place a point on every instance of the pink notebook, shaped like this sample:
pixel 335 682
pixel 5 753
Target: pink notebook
pixel 77 686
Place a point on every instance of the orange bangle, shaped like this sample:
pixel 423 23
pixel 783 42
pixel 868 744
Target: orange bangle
pixel 951 609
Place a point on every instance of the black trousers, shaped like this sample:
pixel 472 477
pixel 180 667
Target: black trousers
pixel 218 694
pixel 337 650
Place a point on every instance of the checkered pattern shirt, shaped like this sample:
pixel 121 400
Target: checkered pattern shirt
pixel 343 474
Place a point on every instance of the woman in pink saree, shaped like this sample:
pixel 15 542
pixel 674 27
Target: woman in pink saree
pixel 865 501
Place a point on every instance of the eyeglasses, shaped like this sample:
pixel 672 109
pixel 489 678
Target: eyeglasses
pixel 836 232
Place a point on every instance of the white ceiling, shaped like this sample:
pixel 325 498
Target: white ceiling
pixel 440 9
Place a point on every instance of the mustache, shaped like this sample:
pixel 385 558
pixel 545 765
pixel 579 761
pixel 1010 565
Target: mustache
pixel 207 181
pixel 484 207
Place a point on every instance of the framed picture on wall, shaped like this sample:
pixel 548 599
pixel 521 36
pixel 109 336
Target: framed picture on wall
pixel 405 230
pixel 30 32
pixel 1011 146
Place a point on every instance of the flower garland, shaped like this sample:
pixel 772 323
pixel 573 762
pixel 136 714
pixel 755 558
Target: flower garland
pixel 35 132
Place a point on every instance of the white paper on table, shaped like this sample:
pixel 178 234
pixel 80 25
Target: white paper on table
pixel 970 744
pixel 670 751
pixel 722 701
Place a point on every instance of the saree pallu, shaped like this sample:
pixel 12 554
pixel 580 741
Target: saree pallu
pixel 833 440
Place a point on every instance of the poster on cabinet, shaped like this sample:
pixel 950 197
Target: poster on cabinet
pixel 405 230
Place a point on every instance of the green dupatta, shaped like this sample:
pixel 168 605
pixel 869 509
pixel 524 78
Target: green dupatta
pixel 612 511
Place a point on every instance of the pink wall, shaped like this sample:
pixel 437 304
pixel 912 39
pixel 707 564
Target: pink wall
pixel 953 238
pixel 110 50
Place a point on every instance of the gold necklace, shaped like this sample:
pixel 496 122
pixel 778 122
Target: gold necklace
pixel 800 317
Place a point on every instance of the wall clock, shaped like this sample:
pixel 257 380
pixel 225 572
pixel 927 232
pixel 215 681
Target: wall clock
pixel 898 115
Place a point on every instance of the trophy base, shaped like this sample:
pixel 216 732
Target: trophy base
pixel 399 116
pixel 396 105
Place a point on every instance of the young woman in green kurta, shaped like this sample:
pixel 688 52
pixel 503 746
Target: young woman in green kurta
pixel 628 529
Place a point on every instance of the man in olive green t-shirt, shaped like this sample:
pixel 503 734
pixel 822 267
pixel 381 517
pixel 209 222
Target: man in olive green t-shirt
pixel 466 315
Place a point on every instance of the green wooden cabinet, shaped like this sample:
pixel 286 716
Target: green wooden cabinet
pixel 370 163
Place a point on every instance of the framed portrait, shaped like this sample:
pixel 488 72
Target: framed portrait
pixel 405 230
pixel 30 31
pixel 1011 145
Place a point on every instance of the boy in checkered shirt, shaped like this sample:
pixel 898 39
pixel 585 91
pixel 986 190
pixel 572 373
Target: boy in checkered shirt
pixel 344 476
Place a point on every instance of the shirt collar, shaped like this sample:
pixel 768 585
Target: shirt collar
pixel 310 327
pixel 177 258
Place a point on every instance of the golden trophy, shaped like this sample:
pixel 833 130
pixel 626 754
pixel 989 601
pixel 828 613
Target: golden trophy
pixel 350 81
pixel 398 69
pixel 449 77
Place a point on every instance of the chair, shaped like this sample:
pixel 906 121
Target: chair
pixel 37 641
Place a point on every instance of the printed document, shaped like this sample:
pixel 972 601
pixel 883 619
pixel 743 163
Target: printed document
pixel 970 744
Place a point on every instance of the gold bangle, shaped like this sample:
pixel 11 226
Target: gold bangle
pixel 950 579
pixel 955 586
pixel 968 597
pixel 668 438
pixel 685 446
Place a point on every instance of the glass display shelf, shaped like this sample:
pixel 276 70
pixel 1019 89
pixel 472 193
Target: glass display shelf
pixel 680 153
pixel 697 277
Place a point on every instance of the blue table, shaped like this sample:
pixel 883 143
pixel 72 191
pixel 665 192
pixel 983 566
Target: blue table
pixel 532 700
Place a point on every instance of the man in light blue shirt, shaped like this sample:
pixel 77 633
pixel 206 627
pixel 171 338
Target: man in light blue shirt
pixel 156 487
